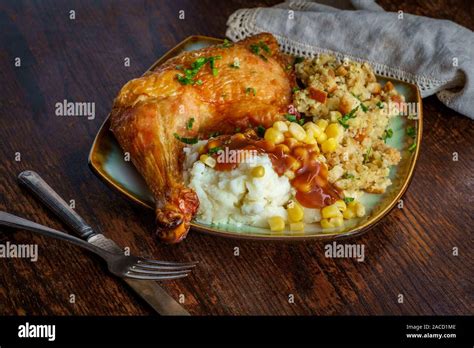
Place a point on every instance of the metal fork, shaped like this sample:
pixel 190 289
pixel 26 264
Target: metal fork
pixel 119 264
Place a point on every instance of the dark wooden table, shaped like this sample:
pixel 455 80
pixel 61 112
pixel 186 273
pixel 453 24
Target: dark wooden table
pixel 410 252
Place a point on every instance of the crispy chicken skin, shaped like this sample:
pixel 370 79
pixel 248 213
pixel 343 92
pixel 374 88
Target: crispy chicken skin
pixel 149 111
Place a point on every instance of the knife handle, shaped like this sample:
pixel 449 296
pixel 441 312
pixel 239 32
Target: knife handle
pixel 53 201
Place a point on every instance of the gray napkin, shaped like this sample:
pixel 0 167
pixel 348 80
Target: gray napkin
pixel 437 55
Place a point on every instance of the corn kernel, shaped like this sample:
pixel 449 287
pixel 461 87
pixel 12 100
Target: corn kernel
pixel 274 136
pixel 280 126
pixel 360 209
pixel 310 139
pixel 341 205
pixel 329 145
pixel 310 126
pixel 330 211
pixel 208 160
pixel 213 143
pixel 297 131
pixel 322 123
pixel 349 213
pixel 295 212
pixel 333 130
pixel 276 223
pixel 325 223
pixel 289 174
pixel 321 138
pixel 239 136
pixel 258 172
pixel 297 226
pixel 336 221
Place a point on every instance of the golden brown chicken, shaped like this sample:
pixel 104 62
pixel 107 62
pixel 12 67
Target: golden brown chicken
pixel 219 88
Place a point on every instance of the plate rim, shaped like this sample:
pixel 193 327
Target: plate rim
pixel 357 231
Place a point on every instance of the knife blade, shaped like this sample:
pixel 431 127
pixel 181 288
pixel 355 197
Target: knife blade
pixel 149 290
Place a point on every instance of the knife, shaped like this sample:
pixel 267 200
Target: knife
pixel 149 290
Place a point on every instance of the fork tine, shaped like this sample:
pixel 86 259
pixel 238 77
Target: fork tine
pixel 135 269
pixel 159 267
pixel 154 277
pixel 169 263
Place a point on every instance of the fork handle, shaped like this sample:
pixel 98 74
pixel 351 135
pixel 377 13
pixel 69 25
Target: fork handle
pixel 10 220
pixel 52 200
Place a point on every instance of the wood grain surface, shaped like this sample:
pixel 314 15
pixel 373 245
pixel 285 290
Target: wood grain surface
pixel 409 253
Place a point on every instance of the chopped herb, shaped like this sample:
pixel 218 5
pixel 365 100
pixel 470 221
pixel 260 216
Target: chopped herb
pixel 214 150
pixel 227 44
pixel 379 105
pixel 189 74
pixel 343 121
pixel 298 60
pixel 347 200
pixel 348 176
pixel 412 147
pixel 288 67
pixel 260 131
pixel 237 130
pixel 291 118
pixel 214 134
pixel 411 132
pixel 189 125
pixel 295 89
pixel 387 134
pixel 249 90
pixel 367 155
pixel 301 121
pixel 363 107
pixel 186 140
pixel 356 96
pixel 255 49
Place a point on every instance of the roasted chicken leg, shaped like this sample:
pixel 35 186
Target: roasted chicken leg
pixel 192 95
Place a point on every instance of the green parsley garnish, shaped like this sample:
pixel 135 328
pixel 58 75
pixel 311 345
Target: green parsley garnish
pixel 387 134
pixel 412 147
pixel 255 49
pixel 367 155
pixel 295 89
pixel 298 60
pixel 343 121
pixel 237 130
pixel 189 125
pixel 189 74
pixel 291 118
pixel 347 200
pixel 214 150
pixel 411 132
pixel 227 44
pixel 363 107
pixel 348 176
pixel 185 140
pixel 249 90
pixel 260 131
pixel 379 105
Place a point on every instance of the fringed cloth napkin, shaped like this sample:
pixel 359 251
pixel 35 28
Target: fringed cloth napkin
pixel 437 55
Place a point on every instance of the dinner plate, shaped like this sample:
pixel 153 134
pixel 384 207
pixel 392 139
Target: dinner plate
pixel 107 161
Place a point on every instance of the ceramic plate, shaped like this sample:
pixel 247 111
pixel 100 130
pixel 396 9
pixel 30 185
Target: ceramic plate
pixel 107 162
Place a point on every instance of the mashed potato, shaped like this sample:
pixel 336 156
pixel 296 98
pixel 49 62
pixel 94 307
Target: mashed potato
pixel 236 196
